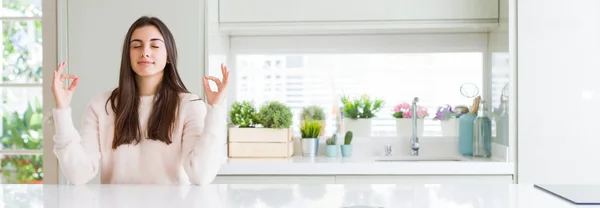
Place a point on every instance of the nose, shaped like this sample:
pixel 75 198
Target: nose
pixel 146 52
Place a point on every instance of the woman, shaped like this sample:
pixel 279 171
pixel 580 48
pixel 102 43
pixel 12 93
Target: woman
pixel 150 129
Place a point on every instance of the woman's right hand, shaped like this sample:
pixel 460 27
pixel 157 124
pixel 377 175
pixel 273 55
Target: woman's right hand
pixel 62 96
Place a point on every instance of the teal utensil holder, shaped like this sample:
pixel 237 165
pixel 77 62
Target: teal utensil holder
pixel 465 134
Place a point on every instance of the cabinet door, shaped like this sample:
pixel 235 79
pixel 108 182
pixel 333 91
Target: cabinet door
pixel 288 179
pixel 433 179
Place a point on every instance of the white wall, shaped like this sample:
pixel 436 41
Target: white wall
pixel 96 30
pixel 558 89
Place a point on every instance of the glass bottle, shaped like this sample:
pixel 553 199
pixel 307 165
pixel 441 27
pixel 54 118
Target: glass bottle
pixel 482 133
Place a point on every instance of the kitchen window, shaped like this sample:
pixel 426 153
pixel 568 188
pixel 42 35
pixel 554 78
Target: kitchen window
pixel 318 70
pixel 21 143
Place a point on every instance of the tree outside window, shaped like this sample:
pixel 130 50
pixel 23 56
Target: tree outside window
pixel 21 92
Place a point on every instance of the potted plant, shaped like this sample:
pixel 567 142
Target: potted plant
pixel 448 120
pixel 358 113
pixel 313 112
pixel 347 146
pixel 263 133
pixel 243 114
pixel 274 114
pixel 22 131
pixel 403 114
pixel 331 150
pixel 310 130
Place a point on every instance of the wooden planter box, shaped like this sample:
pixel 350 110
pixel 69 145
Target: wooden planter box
pixel 260 135
pixel 261 150
pixel 260 143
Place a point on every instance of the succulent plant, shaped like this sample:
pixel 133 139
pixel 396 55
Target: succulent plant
pixel 348 138
pixel 332 140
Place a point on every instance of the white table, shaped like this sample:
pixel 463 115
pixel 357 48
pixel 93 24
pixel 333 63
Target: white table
pixel 274 195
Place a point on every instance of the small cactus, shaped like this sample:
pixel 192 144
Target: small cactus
pixel 348 138
pixel 332 140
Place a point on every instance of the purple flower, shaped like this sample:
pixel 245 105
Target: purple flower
pixel 20 40
pixel 444 113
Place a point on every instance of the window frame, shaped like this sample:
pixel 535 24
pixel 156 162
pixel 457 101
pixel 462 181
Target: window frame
pixel 363 43
pixel 53 32
pixel 24 85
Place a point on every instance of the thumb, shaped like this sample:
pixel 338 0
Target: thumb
pixel 74 84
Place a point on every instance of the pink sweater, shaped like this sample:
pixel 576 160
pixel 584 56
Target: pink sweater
pixel 195 155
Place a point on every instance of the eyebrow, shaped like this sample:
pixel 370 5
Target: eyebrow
pixel 153 39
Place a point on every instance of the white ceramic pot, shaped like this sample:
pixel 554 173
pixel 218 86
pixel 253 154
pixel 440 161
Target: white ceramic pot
pixel 450 128
pixel 360 127
pixel 404 127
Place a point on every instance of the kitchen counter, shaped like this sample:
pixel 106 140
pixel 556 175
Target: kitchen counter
pixel 320 165
pixel 215 196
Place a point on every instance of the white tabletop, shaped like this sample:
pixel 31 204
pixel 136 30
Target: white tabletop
pixel 299 165
pixel 337 195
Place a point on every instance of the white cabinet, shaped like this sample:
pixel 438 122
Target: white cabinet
pixel 274 180
pixel 433 179
pixel 265 11
pixel 269 17
pixel 364 179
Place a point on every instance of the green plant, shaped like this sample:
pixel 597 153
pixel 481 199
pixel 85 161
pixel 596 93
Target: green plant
pixel 363 107
pixel 243 114
pixel 332 140
pixel 310 129
pixel 275 114
pixel 313 112
pixel 22 132
pixel 348 138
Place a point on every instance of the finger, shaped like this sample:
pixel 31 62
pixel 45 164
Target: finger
pixel 54 76
pixel 226 77
pixel 67 76
pixel 74 84
pixel 61 67
pixel 223 69
pixel 206 85
pixel 214 79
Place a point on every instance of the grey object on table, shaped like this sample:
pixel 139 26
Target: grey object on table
pixel 584 194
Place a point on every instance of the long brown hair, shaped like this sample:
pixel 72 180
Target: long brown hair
pixel 166 100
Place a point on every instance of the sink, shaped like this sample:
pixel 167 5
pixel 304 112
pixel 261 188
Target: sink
pixel 418 158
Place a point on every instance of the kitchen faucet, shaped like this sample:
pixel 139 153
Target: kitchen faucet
pixel 414 140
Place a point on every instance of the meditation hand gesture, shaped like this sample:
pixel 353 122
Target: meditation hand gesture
pixel 62 96
pixel 218 96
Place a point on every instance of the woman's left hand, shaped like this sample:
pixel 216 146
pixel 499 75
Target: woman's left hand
pixel 213 97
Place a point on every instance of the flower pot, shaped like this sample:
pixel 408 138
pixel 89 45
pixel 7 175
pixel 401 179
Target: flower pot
pixel 450 128
pixel 331 150
pixel 346 150
pixel 360 127
pixel 404 127
pixel 310 147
